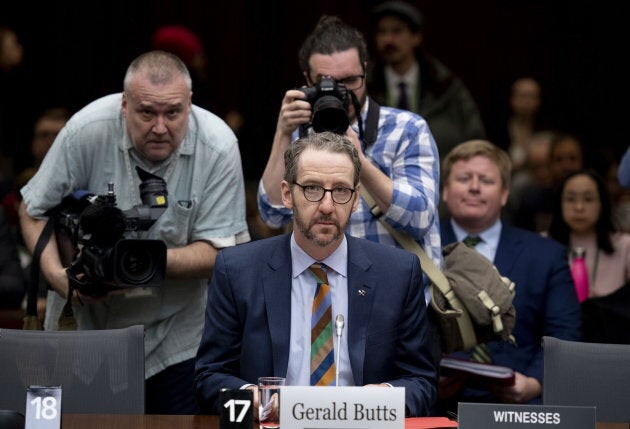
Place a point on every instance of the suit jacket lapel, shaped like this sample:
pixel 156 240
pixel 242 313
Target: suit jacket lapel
pixel 508 251
pixel 447 233
pixel 277 292
pixel 361 291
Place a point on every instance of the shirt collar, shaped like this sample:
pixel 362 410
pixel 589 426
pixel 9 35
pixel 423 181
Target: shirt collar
pixel 337 260
pixel 410 78
pixel 489 236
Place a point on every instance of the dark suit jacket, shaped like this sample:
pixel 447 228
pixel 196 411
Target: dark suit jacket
pixel 545 299
pixel 247 327
pixel 444 102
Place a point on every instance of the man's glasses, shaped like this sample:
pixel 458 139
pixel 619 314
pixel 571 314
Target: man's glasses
pixel 352 82
pixel 315 193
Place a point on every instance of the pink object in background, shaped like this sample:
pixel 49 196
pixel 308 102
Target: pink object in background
pixel 580 273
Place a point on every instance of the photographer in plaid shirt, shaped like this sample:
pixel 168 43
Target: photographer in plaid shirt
pixel 397 150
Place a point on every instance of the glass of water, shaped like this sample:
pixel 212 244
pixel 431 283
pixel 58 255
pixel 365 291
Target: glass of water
pixel 269 401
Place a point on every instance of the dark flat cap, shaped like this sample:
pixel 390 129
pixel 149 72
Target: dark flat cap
pixel 399 9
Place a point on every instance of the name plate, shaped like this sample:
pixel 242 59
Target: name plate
pixel 502 416
pixel 304 407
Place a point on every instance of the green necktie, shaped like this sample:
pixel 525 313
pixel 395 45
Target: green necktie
pixel 472 241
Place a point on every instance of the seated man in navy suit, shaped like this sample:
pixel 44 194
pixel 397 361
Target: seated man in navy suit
pixel 258 315
pixel 476 185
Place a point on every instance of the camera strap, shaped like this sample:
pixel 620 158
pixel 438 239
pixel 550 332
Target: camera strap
pixel 370 131
pixel 31 321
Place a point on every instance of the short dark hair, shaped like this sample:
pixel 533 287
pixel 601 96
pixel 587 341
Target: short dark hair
pixel 331 35
pixel 326 141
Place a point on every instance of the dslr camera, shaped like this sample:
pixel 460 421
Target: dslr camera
pixel 102 258
pixel 330 101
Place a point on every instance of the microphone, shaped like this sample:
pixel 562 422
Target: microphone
pixel 339 324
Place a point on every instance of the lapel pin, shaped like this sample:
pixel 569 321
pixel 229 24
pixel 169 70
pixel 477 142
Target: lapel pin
pixel 362 292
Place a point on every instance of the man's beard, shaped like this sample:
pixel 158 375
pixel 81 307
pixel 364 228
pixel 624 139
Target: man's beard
pixel 307 232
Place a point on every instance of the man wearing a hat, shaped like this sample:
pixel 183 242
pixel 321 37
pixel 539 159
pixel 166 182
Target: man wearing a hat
pixel 406 77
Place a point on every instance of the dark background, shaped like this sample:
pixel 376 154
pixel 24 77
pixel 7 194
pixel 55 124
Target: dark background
pixel 79 51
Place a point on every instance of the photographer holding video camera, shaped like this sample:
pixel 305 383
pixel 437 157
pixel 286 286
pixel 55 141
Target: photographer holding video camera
pixel 399 158
pixel 192 200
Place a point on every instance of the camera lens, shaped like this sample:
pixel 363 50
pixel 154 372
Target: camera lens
pixel 139 262
pixel 136 266
pixel 329 114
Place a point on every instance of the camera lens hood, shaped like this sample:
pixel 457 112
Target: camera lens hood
pixel 329 114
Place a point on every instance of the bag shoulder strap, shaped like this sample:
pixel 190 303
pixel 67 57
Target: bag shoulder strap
pixel 428 266
pixel 434 274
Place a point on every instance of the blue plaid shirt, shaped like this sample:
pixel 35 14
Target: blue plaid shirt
pixel 406 152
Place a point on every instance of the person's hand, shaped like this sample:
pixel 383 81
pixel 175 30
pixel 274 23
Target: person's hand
pixel 524 389
pixel 377 385
pixel 102 289
pixel 354 138
pixel 294 111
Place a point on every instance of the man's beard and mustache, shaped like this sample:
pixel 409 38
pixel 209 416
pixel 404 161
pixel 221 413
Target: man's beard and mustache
pixel 307 232
pixel 390 52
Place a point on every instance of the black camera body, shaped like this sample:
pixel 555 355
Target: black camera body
pixel 103 259
pixel 330 101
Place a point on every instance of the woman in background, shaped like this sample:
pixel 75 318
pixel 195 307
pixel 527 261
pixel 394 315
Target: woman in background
pixel 582 217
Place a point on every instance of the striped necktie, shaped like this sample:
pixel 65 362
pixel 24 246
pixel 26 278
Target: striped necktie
pixel 481 352
pixel 322 355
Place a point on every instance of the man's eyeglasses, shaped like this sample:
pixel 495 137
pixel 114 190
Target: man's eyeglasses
pixel 315 193
pixel 352 82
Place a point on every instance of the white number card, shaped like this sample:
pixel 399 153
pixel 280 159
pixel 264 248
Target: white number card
pixel 43 407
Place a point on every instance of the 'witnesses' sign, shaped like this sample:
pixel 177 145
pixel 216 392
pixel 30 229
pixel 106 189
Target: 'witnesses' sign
pixel 502 416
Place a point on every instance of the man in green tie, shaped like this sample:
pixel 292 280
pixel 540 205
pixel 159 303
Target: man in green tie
pixel 272 303
pixel 476 185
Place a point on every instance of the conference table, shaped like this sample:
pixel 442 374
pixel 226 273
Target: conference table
pixel 125 421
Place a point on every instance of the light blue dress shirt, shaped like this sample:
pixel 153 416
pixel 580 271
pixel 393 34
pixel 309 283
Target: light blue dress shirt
pixel 302 292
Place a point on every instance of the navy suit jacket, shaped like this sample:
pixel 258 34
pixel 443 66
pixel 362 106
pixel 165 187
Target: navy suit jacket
pixel 545 299
pixel 248 318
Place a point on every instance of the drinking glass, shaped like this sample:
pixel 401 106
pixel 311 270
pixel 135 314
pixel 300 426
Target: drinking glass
pixel 269 400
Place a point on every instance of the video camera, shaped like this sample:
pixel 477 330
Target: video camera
pixel 103 259
pixel 330 101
